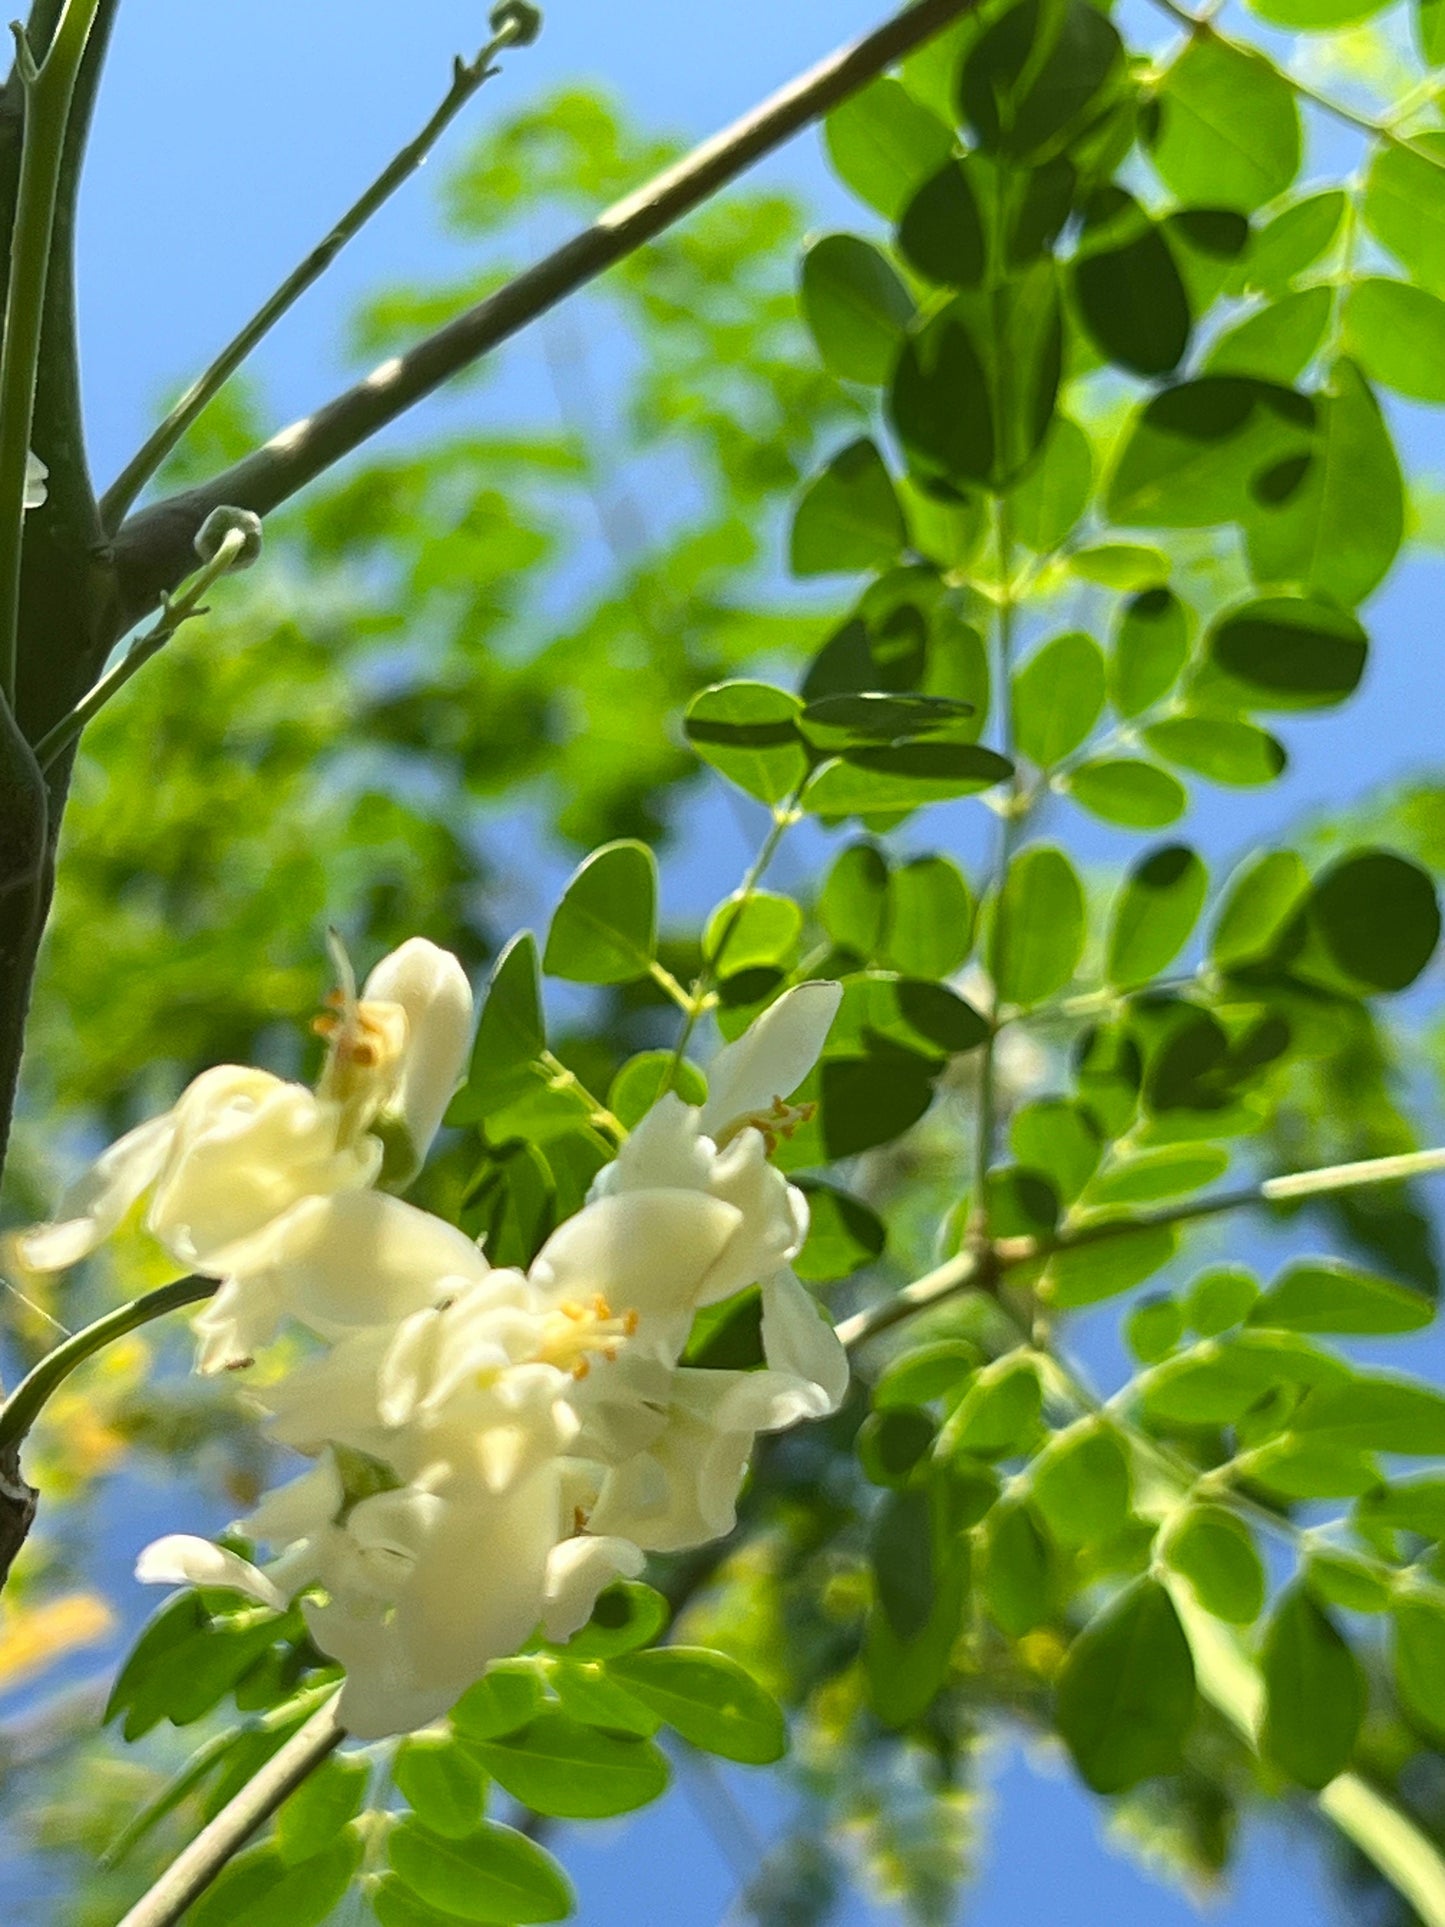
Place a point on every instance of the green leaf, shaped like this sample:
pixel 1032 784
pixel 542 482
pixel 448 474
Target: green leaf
pixel 1038 935
pixel 1378 918
pixel 1397 334
pixel 1046 503
pixel 1124 790
pixel 259 1889
pixel 1125 566
pixel 1278 342
pixel 1290 652
pixel 744 933
pixel 1430 31
pixel 574 1772
pixel 504 1699
pixel 627 1616
pixel 1293 240
pixel 441 1782
pixel 901 1549
pixel 493 1875
pixel 1126 1694
pixel 1376 1414
pixel 1057 698
pixel 883 145
pixel 710 1700
pixel 1086 1274
pixel 1219 1299
pixel 844 1233
pixel 1340 1579
pixel 1327 1295
pixel 973 394
pixel 891 1441
pixel 1129 292
pixel 1316 16
pixel 873 719
pixel 1340 528
pixel 1259 905
pixel 1314 1693
pixel 604 930
pixel 1223 749
pixel 748 731
pixel 853 901
pixel 1228 128
pixel 1305 1468
pixel 1150 649
pixel 643 1079
pixel 920 1564
pixel 930 917
pixel 1207 243
pixel 1080 1484
pixel 857 310
pixel 586 1691
pixel 1419 1657
pixel 1154 912
pixel 1215 1551
pixel 1203 453
pixel 511 1034
pixel 1154 1327
pixel 1036 74
pixel 1059 1139
pixel 942 234
pixel 929 1372
pixel 325 1802
pixel 1412 1505
pixel 1404 206
pixel 1170 1171
pixel 998 1416
pixel 849 518
pixel 1018 1583
pixel 903 776
pixel 1218 1381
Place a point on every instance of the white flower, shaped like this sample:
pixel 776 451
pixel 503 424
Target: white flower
pixel 240 1147
pixel 36 476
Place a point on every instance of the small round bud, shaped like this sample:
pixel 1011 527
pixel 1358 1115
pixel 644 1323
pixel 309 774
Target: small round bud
pixel 226 521
pixel 522 17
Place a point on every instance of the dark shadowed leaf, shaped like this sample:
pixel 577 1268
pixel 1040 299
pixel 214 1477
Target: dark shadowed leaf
pixel 1126 1694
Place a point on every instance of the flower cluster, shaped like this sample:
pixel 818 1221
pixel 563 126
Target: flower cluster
pixel 489 1447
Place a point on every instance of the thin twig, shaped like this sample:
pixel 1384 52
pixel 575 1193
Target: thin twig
pixel 174 611
pixel 193 1870
pixel 152 548
pixel 467 78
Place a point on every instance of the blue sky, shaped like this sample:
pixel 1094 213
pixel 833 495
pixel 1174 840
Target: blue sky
pixel 228 138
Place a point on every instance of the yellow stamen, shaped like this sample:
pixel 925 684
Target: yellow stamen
pixel 782 1120
pixel 574 1332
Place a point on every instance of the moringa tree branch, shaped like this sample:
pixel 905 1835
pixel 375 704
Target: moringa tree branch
pixel 153 549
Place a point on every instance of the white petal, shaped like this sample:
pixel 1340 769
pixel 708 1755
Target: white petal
pixel 95 1204
pixel 772 1212
pixel 799 1340
pixel 247 1147
pixel 299 1508
pixel 236 1324
pixel 664 1151
pixel 772 1057
pixel 381 1695
pixel 432 988
pixel 360 1258
pixel 643 1251
pixel 180 1560
pixel 577 1570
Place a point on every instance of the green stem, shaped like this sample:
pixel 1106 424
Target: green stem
pixel 1013 811
pixel 48 94
pixel 467 78
pixel 177 610
pixel 25 1404
pixel 785 815
pixel 969 1268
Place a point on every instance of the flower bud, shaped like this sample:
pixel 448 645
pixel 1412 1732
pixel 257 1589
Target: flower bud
pixel 522 17
pixel 431 987
pixel 222 522
pixel 36 476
